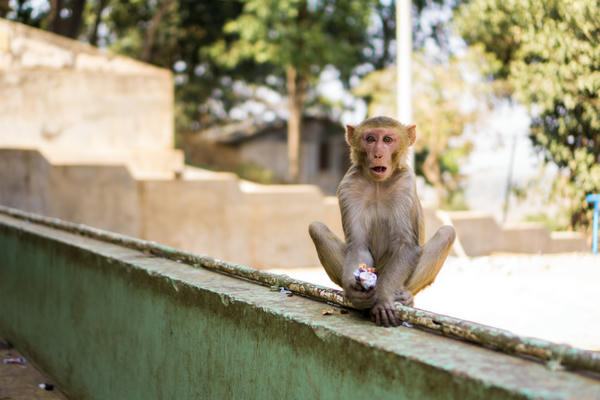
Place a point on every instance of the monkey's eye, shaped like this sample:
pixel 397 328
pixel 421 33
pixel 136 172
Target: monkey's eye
pixel 388 139
pixel 370 139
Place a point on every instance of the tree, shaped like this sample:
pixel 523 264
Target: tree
pixel 174 34
pixel 63 17
pixel 297 39
pixel 93 35
pixel 166 33
pixel 66 17
pixel 547 57
pixel 438 92
pixel 4 8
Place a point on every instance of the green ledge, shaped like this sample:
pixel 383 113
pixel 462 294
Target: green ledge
pixel 108 321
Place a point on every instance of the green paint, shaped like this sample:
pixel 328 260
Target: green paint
pixel 555 355
pixel 107 321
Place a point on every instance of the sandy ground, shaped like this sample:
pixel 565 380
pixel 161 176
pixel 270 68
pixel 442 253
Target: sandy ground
pixel 552 297
pixel 21 381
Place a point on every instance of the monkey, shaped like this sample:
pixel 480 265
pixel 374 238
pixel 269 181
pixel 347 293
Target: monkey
pixel 383 223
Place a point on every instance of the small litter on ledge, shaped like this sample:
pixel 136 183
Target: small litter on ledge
pixel 333 311
pixel 19 360
pixel 46 386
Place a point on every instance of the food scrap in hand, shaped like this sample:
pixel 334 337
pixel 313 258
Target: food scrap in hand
pixel 366 277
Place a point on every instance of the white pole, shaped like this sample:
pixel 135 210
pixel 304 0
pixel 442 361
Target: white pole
pixel 403 65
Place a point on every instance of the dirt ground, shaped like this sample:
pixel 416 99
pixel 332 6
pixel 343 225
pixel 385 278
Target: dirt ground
pixel 552 297
pixel 22 381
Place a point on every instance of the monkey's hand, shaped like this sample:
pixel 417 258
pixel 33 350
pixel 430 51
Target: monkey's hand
pixel 384 314
pixel 361 299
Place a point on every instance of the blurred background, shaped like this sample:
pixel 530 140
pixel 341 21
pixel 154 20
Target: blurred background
pixel 504 94
pixel 217 127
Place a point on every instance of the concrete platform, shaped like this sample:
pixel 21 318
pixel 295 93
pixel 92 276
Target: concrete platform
pixel 107 321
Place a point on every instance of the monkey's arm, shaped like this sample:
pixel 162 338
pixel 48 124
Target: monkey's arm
pixel 357 249
pixel 357 254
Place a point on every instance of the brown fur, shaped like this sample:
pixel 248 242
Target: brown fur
pixel 383 225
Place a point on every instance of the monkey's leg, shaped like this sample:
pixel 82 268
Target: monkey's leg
pixel 330 250
pixel 432 258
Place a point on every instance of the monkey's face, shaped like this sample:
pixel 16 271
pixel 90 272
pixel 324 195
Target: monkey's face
pixel 381 146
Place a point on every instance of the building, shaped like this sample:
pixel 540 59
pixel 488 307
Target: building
pixel 252 149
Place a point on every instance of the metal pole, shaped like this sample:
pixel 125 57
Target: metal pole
pixel 595 228
pixel 403 66
pixel 595 198
pixel 509 179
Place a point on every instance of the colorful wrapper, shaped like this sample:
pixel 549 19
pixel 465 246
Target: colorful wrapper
pixel 366 277
pixel 19 360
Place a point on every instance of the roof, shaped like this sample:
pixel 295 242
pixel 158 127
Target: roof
pixel 250 129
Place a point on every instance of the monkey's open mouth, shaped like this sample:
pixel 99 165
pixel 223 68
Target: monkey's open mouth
pixel 379 170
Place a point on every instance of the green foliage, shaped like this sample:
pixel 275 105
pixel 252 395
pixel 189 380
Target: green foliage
pixel 552 223
pixel 550 56
pixel 184 30
pixel 255 173
pixel 25 13
pixel 305 35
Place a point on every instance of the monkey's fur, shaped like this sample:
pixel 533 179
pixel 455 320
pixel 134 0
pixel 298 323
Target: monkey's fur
pixel 383 223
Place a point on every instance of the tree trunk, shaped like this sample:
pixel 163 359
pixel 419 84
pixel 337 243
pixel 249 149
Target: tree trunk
pixel 431 170
pixel 153 29
pixel 93 39
pixel 73 23
pixel 70 26
pixel 295 89
pixel 54 16
pixel 4 8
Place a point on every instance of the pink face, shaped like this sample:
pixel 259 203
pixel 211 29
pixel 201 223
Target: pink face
pixel 380 144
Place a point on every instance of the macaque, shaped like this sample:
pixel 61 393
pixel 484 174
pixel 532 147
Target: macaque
pixel 383 223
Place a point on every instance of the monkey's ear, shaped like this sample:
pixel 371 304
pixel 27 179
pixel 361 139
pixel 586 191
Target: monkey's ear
pixel 350 134
pixel 412 134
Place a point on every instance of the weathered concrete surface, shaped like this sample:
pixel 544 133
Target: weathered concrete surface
pixel 203 212
pixel 110 322
pixel 62 93
pixel 480 234
pixel 101 195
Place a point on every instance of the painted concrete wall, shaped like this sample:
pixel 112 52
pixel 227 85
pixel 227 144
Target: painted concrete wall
pixel 203 212
pixel 100 195
pixel 82 103
pixel 108 322
pixel 66 93
pixel 480 234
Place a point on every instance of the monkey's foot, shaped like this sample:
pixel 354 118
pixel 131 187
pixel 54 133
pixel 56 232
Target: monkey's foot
pixel 404 296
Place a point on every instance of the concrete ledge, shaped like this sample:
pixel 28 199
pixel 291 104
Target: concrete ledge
pixel 523 238
pixel 481 235
pixel 107 321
